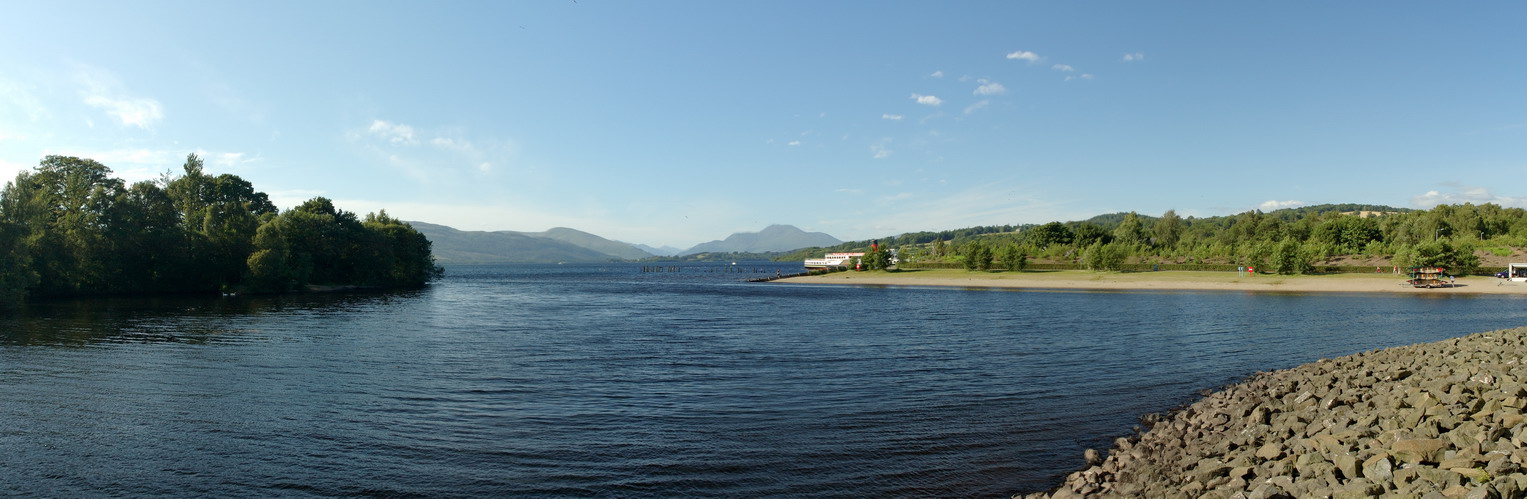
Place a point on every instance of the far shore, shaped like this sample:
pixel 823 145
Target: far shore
pixel 1162 281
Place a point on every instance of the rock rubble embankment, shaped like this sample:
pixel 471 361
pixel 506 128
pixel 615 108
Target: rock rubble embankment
pixel 1439 419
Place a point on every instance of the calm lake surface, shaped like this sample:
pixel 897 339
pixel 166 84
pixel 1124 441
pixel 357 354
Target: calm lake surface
pixel 603 380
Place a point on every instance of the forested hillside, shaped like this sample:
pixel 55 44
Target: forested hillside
pixel 69 228
pixel 1286 241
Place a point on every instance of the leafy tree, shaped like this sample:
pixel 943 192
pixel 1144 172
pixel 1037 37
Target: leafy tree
pixel 220 216
pixel 978 256
pixel 402 254
pixel 1168 229
pixel 64 209
pixel 1130 231
pixel 1289 258
pixel 1087 234
pixel 1103 257
pixel 16 273
pixel 879 259
pixel 1050 234
pixel 1013 258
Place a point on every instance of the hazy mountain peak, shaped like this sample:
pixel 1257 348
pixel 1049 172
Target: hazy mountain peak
pixel 778 237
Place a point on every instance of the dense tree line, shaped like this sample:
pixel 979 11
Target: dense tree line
pixel 69 228
pixel 1284 241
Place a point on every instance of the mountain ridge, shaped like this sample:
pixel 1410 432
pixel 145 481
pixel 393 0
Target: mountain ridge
pixel 774 238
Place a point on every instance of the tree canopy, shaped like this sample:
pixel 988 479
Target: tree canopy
pixel 69 228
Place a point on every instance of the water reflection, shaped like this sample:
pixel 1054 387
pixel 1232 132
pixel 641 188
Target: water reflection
pixel 188 319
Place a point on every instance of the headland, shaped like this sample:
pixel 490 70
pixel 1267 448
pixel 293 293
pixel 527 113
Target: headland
pixel 1163 281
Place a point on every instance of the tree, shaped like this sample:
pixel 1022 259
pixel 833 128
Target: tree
pixel 1289 259
pixel 1087 234
pixel 16 274
pixel 64 210
pixel 978 256
pixel 1168 229
pixel 1103 256
pixel 1050 233
pixel 220 216
pixel 879 259
pixel 1130 231
pixel 1013 258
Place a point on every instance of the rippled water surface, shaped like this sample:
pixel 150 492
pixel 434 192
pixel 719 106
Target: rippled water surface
pixel 603 380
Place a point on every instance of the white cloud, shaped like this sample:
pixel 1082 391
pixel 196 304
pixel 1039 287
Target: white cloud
pixel 1083 76
pixel 1025 55
pixel 849 190
pixel 395 133
pixel 1135 56
pixel 103 90
pixel 881 149
pixel 1063 67
pixel 977 106
pixel 1278 205
pixel 794 143
pixel 892 117
pixel 139 112
pixel 927 99
pixel 937 74
pixel 989 88
pixel 1457 194
pixel 987 203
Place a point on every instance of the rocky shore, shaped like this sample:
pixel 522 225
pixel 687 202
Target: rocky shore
pixel 1440 419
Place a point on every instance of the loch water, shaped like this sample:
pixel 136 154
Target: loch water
pixel 608 380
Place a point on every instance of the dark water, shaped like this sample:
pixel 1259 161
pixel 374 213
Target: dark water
pixel 596 380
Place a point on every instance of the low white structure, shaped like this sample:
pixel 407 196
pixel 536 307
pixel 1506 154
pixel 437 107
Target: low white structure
pixel 1516 272
pixel 836 260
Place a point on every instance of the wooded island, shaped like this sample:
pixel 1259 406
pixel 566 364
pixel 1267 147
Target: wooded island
pixel 68 228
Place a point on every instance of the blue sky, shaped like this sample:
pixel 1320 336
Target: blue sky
pixel 675 123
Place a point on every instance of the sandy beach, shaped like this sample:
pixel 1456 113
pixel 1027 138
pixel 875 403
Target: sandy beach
pixel 1166 280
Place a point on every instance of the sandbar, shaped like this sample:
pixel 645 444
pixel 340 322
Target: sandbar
pixel 1162 281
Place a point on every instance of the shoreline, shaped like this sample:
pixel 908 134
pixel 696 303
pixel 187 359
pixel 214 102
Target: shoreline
pixel 1408 421
pixel 1161 281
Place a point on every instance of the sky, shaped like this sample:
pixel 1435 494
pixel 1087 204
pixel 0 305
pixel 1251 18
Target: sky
pixel 679 122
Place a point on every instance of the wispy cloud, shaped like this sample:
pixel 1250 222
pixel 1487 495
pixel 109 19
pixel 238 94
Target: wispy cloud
pixel 1134 57
pixel 794 143
pixel 849 190
pixel 881 149
pixel 1271 205
pixel 103 90
pixel 927 99
pixel 1083 76
pixel 937 74
pixel 989 87
pixel 988 203
pixel 15 96
pixel 1025 55
pixel 395 133
pixel 892 117
pixel 1063 67
pixel 979 105
pixel 1457 193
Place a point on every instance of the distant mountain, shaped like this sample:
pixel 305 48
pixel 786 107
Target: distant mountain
pixel 585 240
pixel 553 246
pixel 661 251
pixel 772 238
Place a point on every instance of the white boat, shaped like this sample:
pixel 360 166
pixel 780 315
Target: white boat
pixel 832 260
